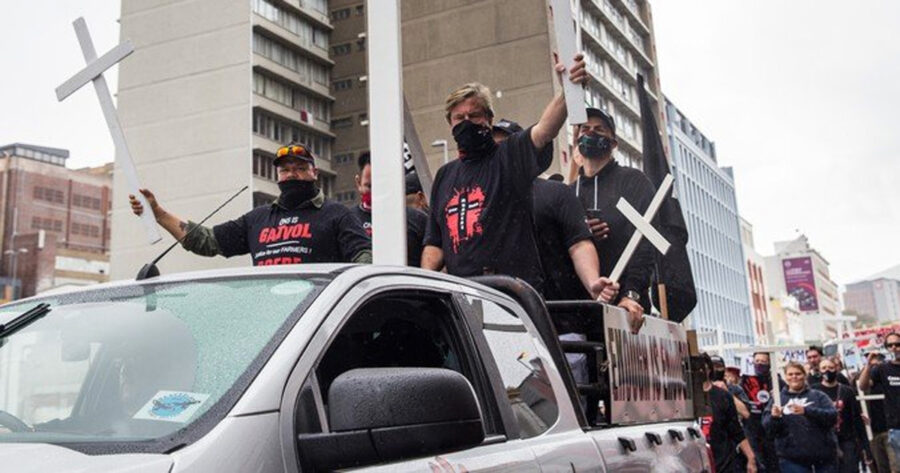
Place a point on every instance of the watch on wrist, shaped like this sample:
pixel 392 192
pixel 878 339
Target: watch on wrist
pixel 633 295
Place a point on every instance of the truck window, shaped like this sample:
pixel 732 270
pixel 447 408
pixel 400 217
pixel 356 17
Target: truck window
pixel 409 329
pixel 528 389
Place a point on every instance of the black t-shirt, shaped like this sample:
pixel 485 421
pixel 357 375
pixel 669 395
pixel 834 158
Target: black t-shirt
pixel 844 400
pixel 887 375
pixel 599 194
pixel 723 431
pixel 559 221
pixel 481 212
pixel 876 411
pixel 275 235
pixel 416 220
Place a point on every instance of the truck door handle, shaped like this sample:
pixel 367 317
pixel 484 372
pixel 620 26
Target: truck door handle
pixel 694 432
pixel 628 444
pixel 654 438
pixel 676 435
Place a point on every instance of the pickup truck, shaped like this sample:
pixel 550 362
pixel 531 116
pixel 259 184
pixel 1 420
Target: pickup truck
pixel 325 367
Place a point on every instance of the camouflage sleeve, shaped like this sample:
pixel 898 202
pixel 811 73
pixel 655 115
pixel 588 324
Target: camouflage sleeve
pixel 363 257
pixel 200 240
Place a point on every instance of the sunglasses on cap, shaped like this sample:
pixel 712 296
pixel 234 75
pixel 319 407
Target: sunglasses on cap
pixel 295 150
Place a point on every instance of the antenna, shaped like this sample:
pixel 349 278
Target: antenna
pixel 151 271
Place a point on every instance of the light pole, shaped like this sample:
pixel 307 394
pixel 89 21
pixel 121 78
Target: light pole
pixel 15 260
pixel 442 143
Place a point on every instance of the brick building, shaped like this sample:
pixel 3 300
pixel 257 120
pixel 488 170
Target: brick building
pixel 55 221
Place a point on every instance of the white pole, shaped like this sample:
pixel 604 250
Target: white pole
pixel 386 132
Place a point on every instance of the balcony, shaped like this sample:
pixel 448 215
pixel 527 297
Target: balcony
pixel 633 14
pixel 618 32
pixel 263 144
pixel 290 39
pixel 291 76
pixel 300 7
pixel 315 125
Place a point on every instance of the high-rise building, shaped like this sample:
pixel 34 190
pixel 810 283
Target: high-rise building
pixel 54 221
pixel 756 284
pixel 708 201
pixel 875 301
pixel 504 44
pixel 799 270
pixel 205 101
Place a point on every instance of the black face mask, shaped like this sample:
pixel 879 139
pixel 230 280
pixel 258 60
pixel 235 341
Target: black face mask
pixel 830 376
pixel 717 375
pixel 761 369
pixel 591 145
pixel 473 141
pixel 295 192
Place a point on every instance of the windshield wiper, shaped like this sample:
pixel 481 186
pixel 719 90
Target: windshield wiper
pixel 24 319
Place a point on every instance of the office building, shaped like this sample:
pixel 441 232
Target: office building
pixel 874 301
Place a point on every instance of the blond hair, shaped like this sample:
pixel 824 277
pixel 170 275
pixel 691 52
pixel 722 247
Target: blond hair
pixel 472 89
pixel 795 365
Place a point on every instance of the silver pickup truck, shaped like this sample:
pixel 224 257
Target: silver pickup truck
pixel 319 368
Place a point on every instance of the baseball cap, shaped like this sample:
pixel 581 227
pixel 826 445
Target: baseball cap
pixel 507 126
pixel 295 150
pixel 412 183
pixel 607 118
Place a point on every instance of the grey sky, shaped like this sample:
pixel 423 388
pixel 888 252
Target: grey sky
pixel 799 96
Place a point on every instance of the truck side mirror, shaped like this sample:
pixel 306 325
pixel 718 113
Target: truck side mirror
pixel 383 414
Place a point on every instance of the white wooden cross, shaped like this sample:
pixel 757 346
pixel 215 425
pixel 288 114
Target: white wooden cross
pixel 774 360
pixel 564 28
pixel 93 72
pixel 642 227
pixel 863 402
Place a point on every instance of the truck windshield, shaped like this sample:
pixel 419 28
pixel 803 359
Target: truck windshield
pixel 139 362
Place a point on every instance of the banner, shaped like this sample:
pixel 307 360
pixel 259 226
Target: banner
pixel 800 282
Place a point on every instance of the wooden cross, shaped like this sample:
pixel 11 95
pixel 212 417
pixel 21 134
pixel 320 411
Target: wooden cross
pixel 865 407
pixel 774 359
pixel 642 227
pixel 564 29
pixel 93 72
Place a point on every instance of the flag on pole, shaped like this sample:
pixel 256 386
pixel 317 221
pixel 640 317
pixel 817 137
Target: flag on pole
pixel 673 270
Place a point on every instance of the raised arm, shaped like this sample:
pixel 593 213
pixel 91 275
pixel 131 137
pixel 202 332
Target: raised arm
pixel 171 223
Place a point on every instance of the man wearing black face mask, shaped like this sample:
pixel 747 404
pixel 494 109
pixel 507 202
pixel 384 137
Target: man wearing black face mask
pixel 851 432
pixel 301 226
pixel 731 450
pixel 600 184
pixel 481 218
pixel 759 388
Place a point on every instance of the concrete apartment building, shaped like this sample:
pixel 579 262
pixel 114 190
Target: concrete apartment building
pixel 54 220
pixel 504 44
pixel 755 267
pixel 876 301
pixel 707 197
pixel 799 270
pixel 211 91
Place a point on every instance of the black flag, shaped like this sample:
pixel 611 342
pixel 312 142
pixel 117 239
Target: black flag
pixel 672 269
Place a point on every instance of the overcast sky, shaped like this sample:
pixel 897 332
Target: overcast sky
pixel 800 97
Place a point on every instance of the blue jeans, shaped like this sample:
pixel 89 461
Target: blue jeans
pixel 894 444
pixel 788 466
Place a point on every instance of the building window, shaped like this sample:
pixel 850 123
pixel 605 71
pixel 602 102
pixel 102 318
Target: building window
pixel 338 123
pixel 49 195
pixel 343 84
pixel 341 14
pixel 343 158
pixel 308 70
pixel 341 49
pixel 264 167
pixel 282 131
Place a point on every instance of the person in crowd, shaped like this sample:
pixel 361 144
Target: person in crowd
pixel 600 184
pixel 851 432
pixel 731 449
pixel 481 219
pixel 758 388
pixel 415 197
pixel 568 257
pixel 803 426
pixel 813 358
pixel 416 220
pixel 885 377
pixel 879 444
pixel 719 377
pixel 841 377
pixel 301 226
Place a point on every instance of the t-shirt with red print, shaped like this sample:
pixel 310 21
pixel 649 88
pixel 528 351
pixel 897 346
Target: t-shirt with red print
pixel 481 211
pixel 275 235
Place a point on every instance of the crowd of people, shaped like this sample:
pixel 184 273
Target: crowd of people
pixel 818 426
pixel 490 211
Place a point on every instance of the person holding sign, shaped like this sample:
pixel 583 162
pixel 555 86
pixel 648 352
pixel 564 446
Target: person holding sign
pixel 600 184
pixel 481 204
pixel 301 226
pixel 803 426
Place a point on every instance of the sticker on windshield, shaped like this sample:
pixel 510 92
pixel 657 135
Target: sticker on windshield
pixel 172 406
pixel 291 288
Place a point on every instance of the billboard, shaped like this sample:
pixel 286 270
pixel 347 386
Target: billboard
pixel 800 282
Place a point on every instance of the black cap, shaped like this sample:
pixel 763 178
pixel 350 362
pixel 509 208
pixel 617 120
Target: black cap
pixel 607 119
pixel 295 150
pixel 507 126
pixel 717 360
pixel 412 183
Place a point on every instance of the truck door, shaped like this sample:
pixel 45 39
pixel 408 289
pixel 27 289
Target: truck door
pixel 529 386
pixel 398 321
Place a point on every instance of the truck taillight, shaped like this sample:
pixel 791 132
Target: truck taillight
pixel 711 459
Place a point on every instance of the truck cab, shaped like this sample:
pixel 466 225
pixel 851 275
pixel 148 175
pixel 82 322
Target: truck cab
pixel 317 368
